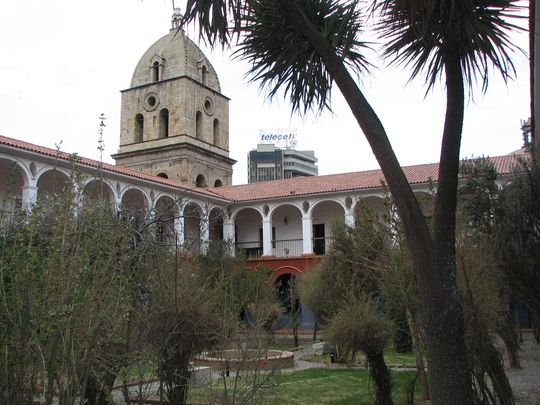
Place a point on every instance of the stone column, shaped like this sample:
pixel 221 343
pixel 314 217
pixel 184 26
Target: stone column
pixel 267 237
pixel 349 217
pixel 228 236
pixel 204 228
pixel 29 194
pixel 179 229
pixel 307 234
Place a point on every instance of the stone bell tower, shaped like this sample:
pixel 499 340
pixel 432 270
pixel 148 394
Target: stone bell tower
pixel 174 119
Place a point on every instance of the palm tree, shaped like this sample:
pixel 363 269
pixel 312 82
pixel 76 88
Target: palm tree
pixel 302 47
pixel 461 39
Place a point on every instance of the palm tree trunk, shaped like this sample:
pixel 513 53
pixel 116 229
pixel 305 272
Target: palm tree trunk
pixel 450 379
pixel 418 357
pixel 446 319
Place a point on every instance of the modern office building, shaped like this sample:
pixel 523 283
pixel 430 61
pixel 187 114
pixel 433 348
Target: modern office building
pixel 269 162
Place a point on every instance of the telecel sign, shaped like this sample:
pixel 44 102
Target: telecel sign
pixel 285 138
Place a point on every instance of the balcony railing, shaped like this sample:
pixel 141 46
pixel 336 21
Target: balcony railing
pixel 287 247
pixel 252 250
pixel 321 245
pixel 284 247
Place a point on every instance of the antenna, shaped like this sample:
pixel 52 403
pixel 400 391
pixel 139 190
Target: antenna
pixel 101 141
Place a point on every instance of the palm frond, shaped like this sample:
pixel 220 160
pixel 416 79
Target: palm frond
pixel 422 33
pixel 218 21
pixel 283 60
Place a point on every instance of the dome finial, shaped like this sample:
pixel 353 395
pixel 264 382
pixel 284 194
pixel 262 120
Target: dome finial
pixel 176 17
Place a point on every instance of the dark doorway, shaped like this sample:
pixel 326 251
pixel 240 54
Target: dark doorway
pixel 318 239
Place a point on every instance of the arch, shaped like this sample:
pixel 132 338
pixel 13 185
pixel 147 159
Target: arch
pixel 304 317
pixel 165 212
pixel 215 227
pixel 53 183
pixel 138 131
pixel 134 203
pixel 290 303
pixel 200 181
pixel 163 175
pixel 374 203
pixel 198 125
pixel 164 123
pixel 204 75
pixel 325 214
pixel 248 232
pixel 291 270
pixel 287 274
pixel 155 71
pixel 13 180
pixel 97 189
pixel 286 230
pixel 218 183
pixel 192 214
pixel 216 132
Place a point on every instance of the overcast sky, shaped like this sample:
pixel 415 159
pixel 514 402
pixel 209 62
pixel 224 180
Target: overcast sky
pixel 64 63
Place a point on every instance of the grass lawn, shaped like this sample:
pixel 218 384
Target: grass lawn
pixel 390 357
pixel 324 386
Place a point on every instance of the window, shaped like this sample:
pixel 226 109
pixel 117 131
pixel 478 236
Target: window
pixel 204 75
pixel 163 175
pixel 198 125
pixel 216 132
pixel 164 123
pixel 155 71
pixel 218 183
pixel 139 128
pixel 200 181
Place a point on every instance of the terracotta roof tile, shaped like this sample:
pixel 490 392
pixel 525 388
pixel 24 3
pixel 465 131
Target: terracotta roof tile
pixel 416 174
pixel 4 140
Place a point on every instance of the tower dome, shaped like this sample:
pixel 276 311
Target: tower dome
pixel 174 56
pixel 175 121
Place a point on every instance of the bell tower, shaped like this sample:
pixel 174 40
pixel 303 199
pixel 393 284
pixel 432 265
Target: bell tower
pixel 174 119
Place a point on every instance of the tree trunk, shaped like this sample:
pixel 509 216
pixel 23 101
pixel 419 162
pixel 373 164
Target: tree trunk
pixel 418 357
pixel 381 377
pixel 175 374
pixel 450 377
pixel 295 330
pixel 507 331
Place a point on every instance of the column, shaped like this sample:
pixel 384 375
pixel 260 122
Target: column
pixel 205 233
pixel 267 237
pixel 29 194
pixel 307 235
pixel 228 236
pixel 179 229
pixel 349 217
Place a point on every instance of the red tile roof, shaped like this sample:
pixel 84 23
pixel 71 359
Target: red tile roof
pixel 4 140
pixel 369 179
pixel 416 174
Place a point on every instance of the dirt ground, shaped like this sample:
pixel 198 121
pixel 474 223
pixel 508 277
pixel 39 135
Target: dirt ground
pixel 526 381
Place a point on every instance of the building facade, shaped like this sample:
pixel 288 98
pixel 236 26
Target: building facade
pixel 268 162
pixel 173 162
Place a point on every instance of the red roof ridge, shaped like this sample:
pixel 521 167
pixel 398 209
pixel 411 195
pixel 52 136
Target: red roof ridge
pixel 107 166
pixel 366 179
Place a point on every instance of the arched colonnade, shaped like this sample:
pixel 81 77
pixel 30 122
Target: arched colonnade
pixel 281 228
